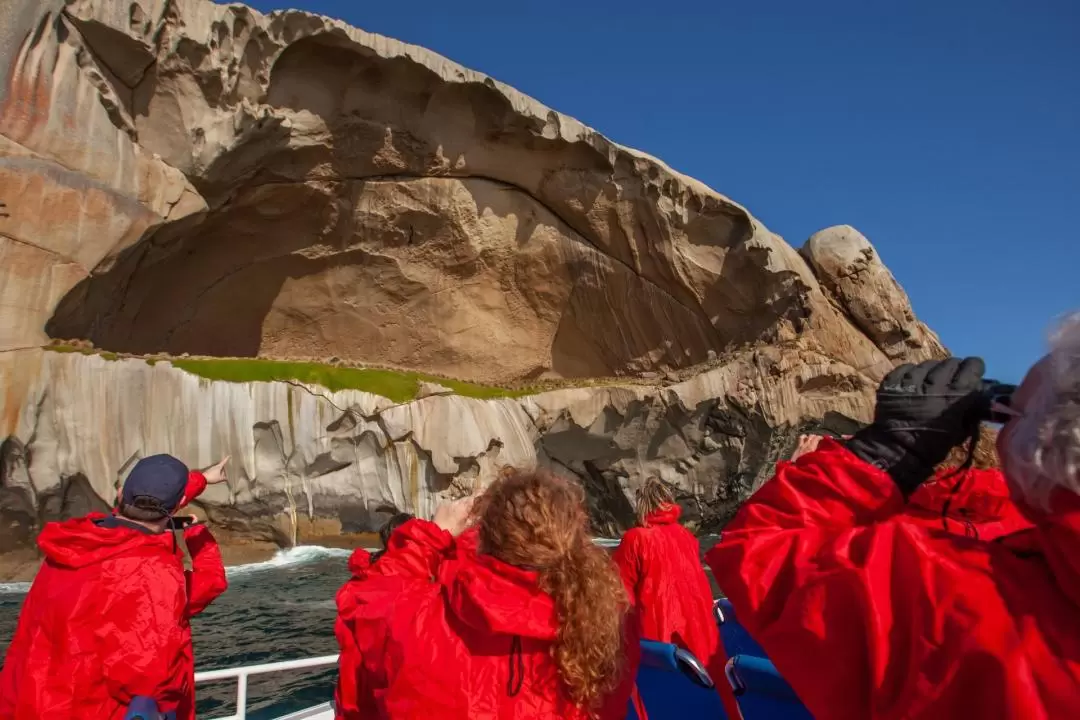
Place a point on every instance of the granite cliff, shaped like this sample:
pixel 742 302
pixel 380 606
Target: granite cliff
pixel 187 177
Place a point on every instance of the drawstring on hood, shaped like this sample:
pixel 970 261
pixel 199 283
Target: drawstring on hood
pixel 962 471
pixel 515 654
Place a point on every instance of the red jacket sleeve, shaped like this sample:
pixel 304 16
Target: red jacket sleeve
pixel 206 579
pixel 798 516
pixel 400 583
pixel 347 692
pixel 806 563
pixel 196 483
pixel 414 551
pixel 141 638
pixel 350 684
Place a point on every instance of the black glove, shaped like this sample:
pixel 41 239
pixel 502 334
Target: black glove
pixel 923 411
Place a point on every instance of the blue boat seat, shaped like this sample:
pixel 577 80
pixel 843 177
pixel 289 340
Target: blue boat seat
pixel 761 693
pixel 736 640
pixel 674 685
pixel 146 708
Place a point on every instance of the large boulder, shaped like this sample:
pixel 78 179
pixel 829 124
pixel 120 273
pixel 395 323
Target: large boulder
pixel 854 278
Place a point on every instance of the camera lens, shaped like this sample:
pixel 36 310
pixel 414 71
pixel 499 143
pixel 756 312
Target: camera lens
pixel 995 393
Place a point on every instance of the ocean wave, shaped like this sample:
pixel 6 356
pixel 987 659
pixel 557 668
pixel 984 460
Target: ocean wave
pixel 298 555
pixel 14 588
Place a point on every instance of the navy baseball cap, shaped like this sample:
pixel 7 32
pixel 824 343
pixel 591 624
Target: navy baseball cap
pixel 156 483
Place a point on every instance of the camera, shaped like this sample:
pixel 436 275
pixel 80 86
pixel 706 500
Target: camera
pixel 994 397
pixel 181 522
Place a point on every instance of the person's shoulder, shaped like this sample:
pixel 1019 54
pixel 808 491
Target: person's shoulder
pixel 681 531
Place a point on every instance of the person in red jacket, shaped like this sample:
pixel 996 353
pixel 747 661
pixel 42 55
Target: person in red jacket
pixel 353 698
pixel 660 563
pixel 869 615
pixel 347 694
pixel 107 617
pixel 528 620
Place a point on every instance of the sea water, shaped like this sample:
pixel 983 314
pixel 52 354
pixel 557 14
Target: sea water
pixel 281 609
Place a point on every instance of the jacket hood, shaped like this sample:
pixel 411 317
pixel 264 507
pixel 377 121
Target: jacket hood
pixel 359 562
pixel 492 596
pixel 664 515
pixel 80 542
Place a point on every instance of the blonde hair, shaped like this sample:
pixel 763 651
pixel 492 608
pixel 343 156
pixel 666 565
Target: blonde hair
pixel 650 497
pixel 1044 444
pixel 538 519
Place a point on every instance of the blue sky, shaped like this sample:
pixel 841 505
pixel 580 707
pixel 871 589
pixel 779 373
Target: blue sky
pixel 948 132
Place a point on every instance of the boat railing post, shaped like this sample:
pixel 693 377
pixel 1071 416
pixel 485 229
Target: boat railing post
pixel 241 696
pixel 243 673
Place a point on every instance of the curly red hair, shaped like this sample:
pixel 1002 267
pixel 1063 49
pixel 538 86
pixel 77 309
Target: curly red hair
pixel 538 519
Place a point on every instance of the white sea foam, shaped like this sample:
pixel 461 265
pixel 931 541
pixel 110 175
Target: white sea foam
pixel 298 555
pixel 14 588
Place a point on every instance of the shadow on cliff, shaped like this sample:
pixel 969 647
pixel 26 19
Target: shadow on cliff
pixel 713 455
pixel 227 282
pixel 24 511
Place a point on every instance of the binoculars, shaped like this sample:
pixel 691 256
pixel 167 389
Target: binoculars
pixel 995 401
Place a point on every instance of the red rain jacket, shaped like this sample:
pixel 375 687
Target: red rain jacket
pixel 349 695
pixel 973 503
pixel 106 619
pixel 354 697
pixel 869 615
pixel 661 567
pixel 446 633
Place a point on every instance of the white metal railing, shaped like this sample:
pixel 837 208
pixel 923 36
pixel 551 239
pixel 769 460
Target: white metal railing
pixel 242 673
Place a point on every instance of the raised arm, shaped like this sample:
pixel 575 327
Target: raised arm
pixel 835 587
pixel 206 579
pixel 196 484
pixel 199 479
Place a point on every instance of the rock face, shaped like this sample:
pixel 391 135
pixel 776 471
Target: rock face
pixel 308 462
pixel 180 176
